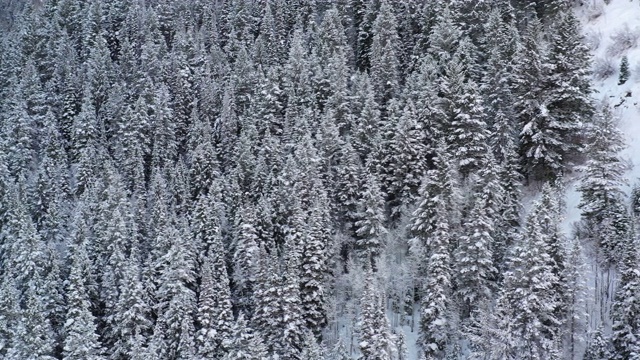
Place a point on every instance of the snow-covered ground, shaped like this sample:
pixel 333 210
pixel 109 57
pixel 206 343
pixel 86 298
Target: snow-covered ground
pixel 619 16
pixel 601 23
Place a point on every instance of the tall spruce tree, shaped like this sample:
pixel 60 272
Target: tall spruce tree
pixel 528 304
pixel 602 199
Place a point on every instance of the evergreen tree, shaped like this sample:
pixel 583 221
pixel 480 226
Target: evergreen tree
pixel 314 263
pixel 437 304
pixel 215 316
pixel 81 339
pixel 245 256
pixel 370 225
pixel 375 337
pixel 501 44
pixel 576 322
pixel 626 307
pixel 364 17
pixel 311 349
pixel 433 223
pixel 474 259
pixel 9 319
pixel 599 346
pixel 405 161
pixel 528 303
pixel 385 50
pixel 570 83
pixel 333 57
pixel 602 199
pixel 244 342
pixel 364 125
pixel 542 134
pixel 133 313
pixel 173 334
pixel 444 38
pixel 624 70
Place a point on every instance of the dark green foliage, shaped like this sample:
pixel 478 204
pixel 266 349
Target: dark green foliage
pixel 624 70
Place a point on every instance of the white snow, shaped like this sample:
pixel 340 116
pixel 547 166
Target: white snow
pixel 616 16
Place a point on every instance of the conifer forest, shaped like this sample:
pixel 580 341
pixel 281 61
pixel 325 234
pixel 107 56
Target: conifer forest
pixel 318 179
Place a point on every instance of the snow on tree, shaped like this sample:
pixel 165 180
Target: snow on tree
pixel 333 57
pixel 436 308
pixel 528 304
pixel 369 227
pixel 405 161
pixel 570 84
pixel 245 256
pixel 133 314
pixel 244 342
pixel 433 226
pixel 376 340
pixel 576 323
pixel 602 200
pixel 599 346
pixel 626 305
pixel 385 72
pixel 444 38
pixel 542 146
pixel 214 314
pixel 624 70
pixel 474 258
pixel 467 133
pixel 174 330
pixel 81 340
pixel 314 264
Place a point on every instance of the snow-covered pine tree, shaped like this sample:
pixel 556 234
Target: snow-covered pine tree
pixel 244 342
pixel 19 126
pixel 365 13
pixel 245 256
pixel 405 163
pixel 501 43
pixel 602 199
pixel 436 310
pixel 314 264
pixel 569 84
pixel 625 312
pixel 365 124
pixel 624 73
pixel 9 319
pixel 174 331
pixel 444 38
pixel 599 346
pixel 542 135
pixel 475 270
pixel 384 57
pixel 465 126
pixel 433 227
pixel 527 305
pixel 133 146
pixel 333 55
pixel 214 313
pixel 576 318
pixel 81 340
pixel 133 317
pixel 375 337
pixel 369 228
pixel 311 349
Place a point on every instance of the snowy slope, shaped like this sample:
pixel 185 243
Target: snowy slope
pixel 618 16
pixel 601 23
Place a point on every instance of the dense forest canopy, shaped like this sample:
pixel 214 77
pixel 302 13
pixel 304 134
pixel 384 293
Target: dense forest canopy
pixel 307 179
